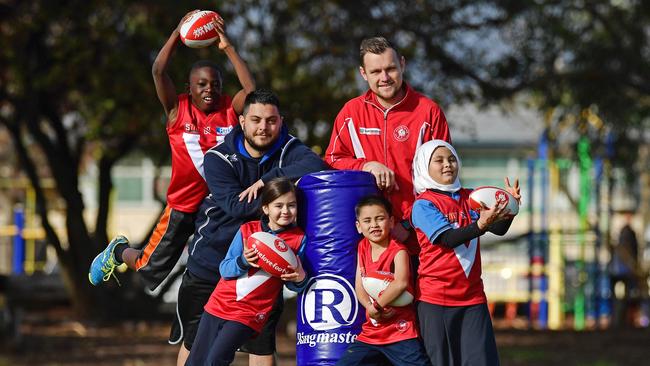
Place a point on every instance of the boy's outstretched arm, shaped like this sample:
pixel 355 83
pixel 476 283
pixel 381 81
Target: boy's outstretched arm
pixel 241 69
pixel 165 88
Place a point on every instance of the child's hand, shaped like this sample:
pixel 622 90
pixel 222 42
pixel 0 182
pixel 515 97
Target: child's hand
pixel 490 215
pixel 372 312
pixel 513 190
pixel 388 312
pixel 178 27
pixel 223 42
pixel 251 257
pixel 296 274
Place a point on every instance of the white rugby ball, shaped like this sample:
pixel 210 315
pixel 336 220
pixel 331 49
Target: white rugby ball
pixel 275 256
pixel 198 30
pixel 376 283
pixel 489 196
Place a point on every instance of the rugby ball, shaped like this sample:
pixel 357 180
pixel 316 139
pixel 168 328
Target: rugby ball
pixel 275 256
pixel 375 284
pixel 198 30
pixel 489 196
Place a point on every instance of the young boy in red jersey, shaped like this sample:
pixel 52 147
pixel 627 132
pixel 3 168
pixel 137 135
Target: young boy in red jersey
pixel 452 308
pixel 389 331
pixel 196 121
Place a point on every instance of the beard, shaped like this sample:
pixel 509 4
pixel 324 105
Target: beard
pixel 259 147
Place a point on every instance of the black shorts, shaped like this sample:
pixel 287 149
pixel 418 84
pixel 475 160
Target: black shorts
pixel 193 294
pixel 165 246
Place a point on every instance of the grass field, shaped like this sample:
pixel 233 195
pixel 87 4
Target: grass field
pixel 55 341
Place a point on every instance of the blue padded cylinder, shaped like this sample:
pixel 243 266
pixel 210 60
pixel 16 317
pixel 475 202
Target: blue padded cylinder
pixel 329 315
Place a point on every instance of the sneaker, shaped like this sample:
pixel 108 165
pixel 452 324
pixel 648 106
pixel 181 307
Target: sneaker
pixel 104 263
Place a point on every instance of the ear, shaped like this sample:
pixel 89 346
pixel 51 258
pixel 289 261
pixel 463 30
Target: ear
pixel 241 121
pixel 358 226
pixel 362 71
pixel 391 222
pixel 265 209
pixel 402 63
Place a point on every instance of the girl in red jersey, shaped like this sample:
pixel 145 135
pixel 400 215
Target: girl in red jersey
pixel 240 304
pixel 389 332
pixel 452 307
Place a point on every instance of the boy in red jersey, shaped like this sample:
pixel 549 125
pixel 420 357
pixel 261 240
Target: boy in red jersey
pixel 196 121
pixel 389 331
pixel 452 308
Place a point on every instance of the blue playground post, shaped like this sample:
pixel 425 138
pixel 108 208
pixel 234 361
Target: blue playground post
pixel 18 257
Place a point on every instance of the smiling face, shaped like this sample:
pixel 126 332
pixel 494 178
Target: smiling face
pixel 443 166
pixel 205 88
pixel 375 223
pixel 383 72
pixel 261 124
pixel 281 211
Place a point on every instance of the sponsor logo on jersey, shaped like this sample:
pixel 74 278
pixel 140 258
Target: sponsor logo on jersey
pixel 223 130
pixel 328 302
pixel 260 317
pixel 401 133
pixel 191 128
pixel 370 131
pixel 206 130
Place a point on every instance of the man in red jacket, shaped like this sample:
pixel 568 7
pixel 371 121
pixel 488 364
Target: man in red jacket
pixel 379 131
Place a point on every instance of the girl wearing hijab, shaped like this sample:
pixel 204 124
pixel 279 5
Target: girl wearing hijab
pixel 452 309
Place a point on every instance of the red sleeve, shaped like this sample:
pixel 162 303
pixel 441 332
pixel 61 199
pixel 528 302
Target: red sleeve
pixel 439 127
pixel 339 153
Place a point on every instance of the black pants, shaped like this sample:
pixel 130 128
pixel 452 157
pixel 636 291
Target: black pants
pixel 458 335
pixel 217 340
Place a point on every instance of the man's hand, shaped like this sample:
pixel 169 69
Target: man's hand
pixel 384 176
pixel 251 192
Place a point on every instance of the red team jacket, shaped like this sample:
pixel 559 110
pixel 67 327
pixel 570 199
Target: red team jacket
pixel 190 137
pixel 249 298
pixel 442 279
pixel 400 326
pixel 365 131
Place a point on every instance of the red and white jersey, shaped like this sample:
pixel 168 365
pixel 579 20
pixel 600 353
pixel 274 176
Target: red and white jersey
pixel 450 276
pixel 249 298
pixel 190 136
pixel 402 325
pixel 366 131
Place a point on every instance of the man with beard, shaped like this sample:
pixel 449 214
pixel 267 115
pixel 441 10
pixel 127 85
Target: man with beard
pixel 256 151
pixel 379 131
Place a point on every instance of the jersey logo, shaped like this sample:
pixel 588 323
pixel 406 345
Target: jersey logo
pixel 247 282
pixel 370 131
pixel 401 133
pixel 402 325
pixel 206 130
pixel 466 254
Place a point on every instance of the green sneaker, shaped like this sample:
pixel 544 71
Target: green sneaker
pixel 104 263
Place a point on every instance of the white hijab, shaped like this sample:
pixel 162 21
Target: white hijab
pixel 421 178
